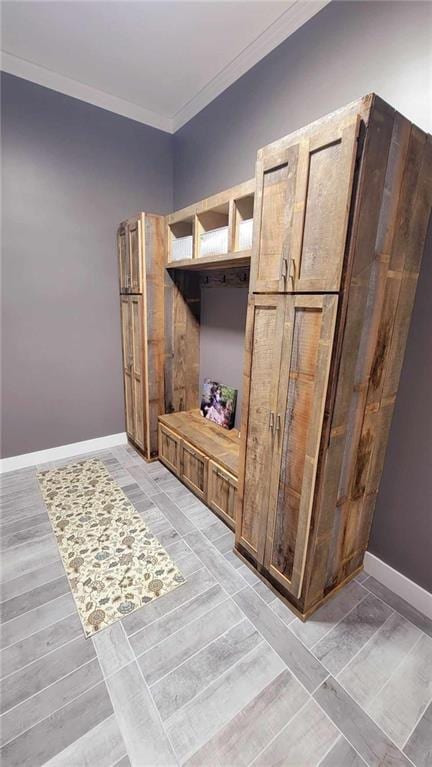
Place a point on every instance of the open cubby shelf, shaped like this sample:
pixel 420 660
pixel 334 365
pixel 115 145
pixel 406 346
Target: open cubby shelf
pixel 215 231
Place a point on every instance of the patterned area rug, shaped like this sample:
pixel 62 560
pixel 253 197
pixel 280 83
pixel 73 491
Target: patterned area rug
pixel 115 565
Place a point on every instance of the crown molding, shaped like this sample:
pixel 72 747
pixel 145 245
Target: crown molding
pixel 46 77
pixel 292 19
pixel 299 12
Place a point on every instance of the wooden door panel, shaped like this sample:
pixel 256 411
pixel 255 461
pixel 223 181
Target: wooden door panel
pixel 264 342
pixel 222 490
pixel 123 258
pixel 125 316
pixel 276 176
pixel 323 195
pixel 169 449
pixel 137 370
pixel 135 244
pixel 194 469
pixel 306 356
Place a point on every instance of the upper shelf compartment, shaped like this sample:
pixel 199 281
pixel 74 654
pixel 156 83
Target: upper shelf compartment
pixel 214 232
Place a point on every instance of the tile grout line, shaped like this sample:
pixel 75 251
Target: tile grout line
pixel 104 677
pixel 398 665
pixel 279 656
pixel 402 660
pixel 152 700
pixel 184 604
pixel 246 584
pixel 26 527
pixel 101 681
pixel 24 612
pixel 21 639
pixel 372 636
pixel 26 543
pixel 216 679
pixel 45 654
pixel 262 750
pixel 367 715
pixel 27 591
pixel 156 644
pixel 338 622
pixel 312 694
pixel 8 711
pixel 338 729
pixel 395 608
pixel 186 660
pixel 37 632
pixel 9 522
pixel 416 725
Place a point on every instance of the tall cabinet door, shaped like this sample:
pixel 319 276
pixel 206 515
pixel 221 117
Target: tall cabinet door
pixel 137 330
pixel 325 176
pixel 126 329
pixel 136 257
pixel 123 257
pixel 303 382
pixel 264 332
pixel 273 217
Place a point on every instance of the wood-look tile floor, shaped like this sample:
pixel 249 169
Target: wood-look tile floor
pixel 217 672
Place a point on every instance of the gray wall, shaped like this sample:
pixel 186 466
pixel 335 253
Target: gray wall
pixel 71 173
pixel 347 50
pixel 223 321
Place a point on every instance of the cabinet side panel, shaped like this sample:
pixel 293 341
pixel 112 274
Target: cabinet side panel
pixel 154 255
pixel 379 300
pixel 346 393
pixel 182 329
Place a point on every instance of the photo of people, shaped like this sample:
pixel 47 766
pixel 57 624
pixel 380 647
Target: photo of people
pixel 218 403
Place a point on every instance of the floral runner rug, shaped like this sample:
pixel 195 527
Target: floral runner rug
pixel 115 565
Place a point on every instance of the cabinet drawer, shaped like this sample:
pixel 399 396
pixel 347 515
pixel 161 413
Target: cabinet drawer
pixel 194 469
pixel 169 449
pixel 222 491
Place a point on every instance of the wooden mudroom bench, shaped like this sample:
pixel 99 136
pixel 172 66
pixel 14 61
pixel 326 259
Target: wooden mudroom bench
pixel 204 456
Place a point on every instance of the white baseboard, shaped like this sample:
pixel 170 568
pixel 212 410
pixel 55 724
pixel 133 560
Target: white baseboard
pixel 417 596
pixel 63 451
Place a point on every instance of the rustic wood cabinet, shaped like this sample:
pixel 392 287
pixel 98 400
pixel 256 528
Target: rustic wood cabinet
pixel 341 213
pixel 141 250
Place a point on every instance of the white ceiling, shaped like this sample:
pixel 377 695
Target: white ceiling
pixel 157 62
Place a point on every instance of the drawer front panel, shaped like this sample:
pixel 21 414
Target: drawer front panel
pixel 194 469
pixel 169 449
pixel 222 491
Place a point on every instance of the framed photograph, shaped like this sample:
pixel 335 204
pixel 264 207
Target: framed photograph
pixel 218 403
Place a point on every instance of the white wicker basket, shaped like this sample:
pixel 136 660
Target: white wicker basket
pixel 245 234
pixel 214 242
pixel 181 247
